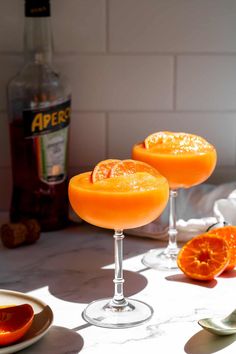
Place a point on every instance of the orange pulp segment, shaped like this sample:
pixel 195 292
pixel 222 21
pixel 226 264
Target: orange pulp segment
pixel 102 169
pixel 204 257
pixel 228 233
pixel 14 322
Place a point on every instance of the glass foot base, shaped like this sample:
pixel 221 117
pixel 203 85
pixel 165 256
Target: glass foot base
pixel 101 313
pixel 161 259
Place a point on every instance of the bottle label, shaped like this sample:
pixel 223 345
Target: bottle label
pixel 49 129
pixel 45 120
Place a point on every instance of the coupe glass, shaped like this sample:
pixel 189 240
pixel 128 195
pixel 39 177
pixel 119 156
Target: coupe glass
pixel 185 160
pixel 118 202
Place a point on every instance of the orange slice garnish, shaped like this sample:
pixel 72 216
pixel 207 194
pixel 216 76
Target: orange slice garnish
pixel 129 167
pixel 14 322
pixel 204 257
pixel 154 139
pixel 177 142
pixel 228 233
pixel 102 170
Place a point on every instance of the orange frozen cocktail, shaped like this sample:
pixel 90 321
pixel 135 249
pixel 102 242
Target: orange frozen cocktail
pixel 119 194
pixel 184 159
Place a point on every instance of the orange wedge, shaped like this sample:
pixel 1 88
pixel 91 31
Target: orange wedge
pixel 14 322
pixel 102 170
pixel 204 257
pixel 228 233
pixel 129 167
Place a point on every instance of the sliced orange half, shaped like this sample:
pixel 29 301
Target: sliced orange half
pixel 204 257
pixel 102 170
pixel 14 322
pixel 129 167
pixel 228 233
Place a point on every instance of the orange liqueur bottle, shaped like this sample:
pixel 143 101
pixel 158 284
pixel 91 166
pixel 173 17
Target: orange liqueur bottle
pixel 39 112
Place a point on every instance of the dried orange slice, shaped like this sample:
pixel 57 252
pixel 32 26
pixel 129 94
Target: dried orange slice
pixel 129 167
pixel 228 233
pixel 177 142
pixel 156 138
pixel 204 257
pixel 102 170
pixel 14 322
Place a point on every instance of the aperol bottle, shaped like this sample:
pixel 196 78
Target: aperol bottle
pixel 39 101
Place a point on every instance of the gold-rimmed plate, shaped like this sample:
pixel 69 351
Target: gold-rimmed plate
pixel 42 321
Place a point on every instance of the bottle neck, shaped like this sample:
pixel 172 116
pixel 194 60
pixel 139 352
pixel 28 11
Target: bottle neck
pixel 38 44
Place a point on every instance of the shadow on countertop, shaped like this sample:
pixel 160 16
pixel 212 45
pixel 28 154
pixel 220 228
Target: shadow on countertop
pixel 70 342
pixel 73 265
pixel 204 342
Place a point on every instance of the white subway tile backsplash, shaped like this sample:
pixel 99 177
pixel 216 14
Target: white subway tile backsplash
pixel 126 129
pixel 12 25
pixel 172 26
pixel 135 67
pixel 4 141
pixel 120 82
pixel 9 64
pixel 206 83
pixel 87 139
pixel 79 25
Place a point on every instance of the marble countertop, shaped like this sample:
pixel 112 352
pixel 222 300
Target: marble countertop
pixel 68 269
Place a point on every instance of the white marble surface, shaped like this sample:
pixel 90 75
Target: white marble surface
pixel 69 268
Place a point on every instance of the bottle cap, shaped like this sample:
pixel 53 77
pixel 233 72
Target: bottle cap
pixel 37 8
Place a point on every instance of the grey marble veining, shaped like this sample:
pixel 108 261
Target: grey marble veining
pixel 70 268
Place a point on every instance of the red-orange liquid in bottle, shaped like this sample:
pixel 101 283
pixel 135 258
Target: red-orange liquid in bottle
pixel 39 114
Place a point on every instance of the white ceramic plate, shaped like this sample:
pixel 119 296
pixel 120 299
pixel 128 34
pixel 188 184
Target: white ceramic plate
pixel 41 323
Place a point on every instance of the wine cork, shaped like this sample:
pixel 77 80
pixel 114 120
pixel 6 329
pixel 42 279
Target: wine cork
pixel 33 231
pixel 17 234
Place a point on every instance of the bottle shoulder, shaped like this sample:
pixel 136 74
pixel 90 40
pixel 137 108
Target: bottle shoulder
pixel 36 74
pixel 39 83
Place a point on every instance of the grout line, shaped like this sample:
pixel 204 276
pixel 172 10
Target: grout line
pixel 134 111
pixel 149 111
pixel 111 53
pixel 174 83
pixel 107 27
pixel 120 53
pixel 106 135
pixel 235 152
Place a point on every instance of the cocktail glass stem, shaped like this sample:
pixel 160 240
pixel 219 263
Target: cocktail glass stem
pixel 172 231
pixel 118 298
pixel 117 312
pixel 165 258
